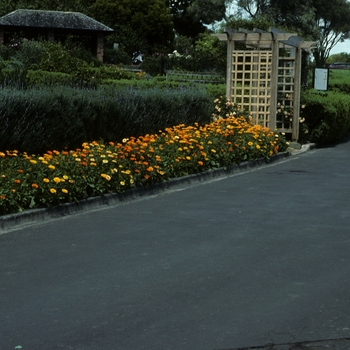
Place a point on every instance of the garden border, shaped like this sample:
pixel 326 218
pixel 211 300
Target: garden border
pixel 18 220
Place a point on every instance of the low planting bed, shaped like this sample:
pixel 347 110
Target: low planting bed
pixel 43 180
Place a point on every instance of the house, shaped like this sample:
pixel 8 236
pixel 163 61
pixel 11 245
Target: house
pixel 54 26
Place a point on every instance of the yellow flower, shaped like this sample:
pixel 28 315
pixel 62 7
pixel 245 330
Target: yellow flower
pixel 65 177
pixel 46 180
pixel 57 180
pixel 250 143
pixel 105 161
pixel 51 167
pixel 188 158
pixel 64 190
pixel 33 161
pixel 122 183
pixel 213 150
pixel 52 190
pixel 257 146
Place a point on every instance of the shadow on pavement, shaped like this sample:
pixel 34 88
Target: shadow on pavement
pixel 330 344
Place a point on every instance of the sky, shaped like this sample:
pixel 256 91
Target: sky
pixel 341 47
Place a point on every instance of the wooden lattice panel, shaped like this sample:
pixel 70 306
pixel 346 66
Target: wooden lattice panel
pixel 251 83
pixel 285 90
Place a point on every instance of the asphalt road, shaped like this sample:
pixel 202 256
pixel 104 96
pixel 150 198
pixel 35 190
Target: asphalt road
pixel 258 257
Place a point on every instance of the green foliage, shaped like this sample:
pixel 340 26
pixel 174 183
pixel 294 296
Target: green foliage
pixel 56 59
pixel 339 81
pixel 12 74
pixel 30 53
pixel 53 118
pixel 148 21
pixel 327 116
pixel 339 57
pixel 117 57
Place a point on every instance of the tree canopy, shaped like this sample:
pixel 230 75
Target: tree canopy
pixel 191 16
pixel 318 20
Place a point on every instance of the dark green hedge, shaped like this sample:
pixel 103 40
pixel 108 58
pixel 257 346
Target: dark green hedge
pixel 327 115
pixel 40 119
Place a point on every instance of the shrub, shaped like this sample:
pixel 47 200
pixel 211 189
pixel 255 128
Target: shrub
pixel 327 115
pixel 53 118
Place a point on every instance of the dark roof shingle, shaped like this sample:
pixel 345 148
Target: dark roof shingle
pixel 52 19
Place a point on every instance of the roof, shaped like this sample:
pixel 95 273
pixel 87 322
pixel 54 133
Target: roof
pixel 52 19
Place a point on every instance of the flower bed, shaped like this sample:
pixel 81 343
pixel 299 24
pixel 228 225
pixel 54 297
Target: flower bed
pixel 34 181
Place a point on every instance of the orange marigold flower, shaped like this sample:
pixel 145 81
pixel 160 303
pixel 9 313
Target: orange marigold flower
pixel 200 163
pixel 149 169
pixel 2 197
pixel 35 186
pixel 2 154
pixel 46 179
pixel 20 171
pixel 17 181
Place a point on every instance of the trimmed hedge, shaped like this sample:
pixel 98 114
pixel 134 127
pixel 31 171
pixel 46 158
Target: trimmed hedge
pixel 327 115
pixel 39 119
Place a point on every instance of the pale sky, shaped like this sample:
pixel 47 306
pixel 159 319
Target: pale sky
pixel 341 47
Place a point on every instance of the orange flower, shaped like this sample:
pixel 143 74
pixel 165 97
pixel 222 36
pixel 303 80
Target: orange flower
pixel 17 181
pixel 2 197
pixel 200 163
pixel 35 186
pixel 150 169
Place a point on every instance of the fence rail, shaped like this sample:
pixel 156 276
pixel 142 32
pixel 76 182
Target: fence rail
pixel 204 78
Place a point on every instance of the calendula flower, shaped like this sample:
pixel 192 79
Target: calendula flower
pixel 17 181
pixel 52 167
pixel 64 190
pixel 46 180
pixel 122 183
pixel 52 190
pixel 57 180
pixel 33 161
pixel 35 186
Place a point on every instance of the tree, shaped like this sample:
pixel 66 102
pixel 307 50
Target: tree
pixel 191 16
pixel 316 20
pixel 149 20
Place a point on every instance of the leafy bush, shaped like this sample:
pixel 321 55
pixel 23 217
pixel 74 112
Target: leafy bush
pixel 56 59
pixel 327 115
pixel 29 53
pixel 39 119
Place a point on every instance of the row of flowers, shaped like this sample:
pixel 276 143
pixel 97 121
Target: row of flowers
pixel 33 181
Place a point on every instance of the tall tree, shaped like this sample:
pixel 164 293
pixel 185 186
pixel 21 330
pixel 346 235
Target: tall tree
pixel 317 20
pixel 150 20
pixel 191 16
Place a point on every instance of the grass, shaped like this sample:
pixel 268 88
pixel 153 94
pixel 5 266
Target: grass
pixel 97 168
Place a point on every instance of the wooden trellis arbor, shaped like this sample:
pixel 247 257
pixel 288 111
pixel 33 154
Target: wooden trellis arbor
pixel 266 77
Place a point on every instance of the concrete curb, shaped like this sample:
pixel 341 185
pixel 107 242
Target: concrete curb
pixel 302 148
pixel 11 221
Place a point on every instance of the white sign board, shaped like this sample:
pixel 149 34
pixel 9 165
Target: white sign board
pixel 321 79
